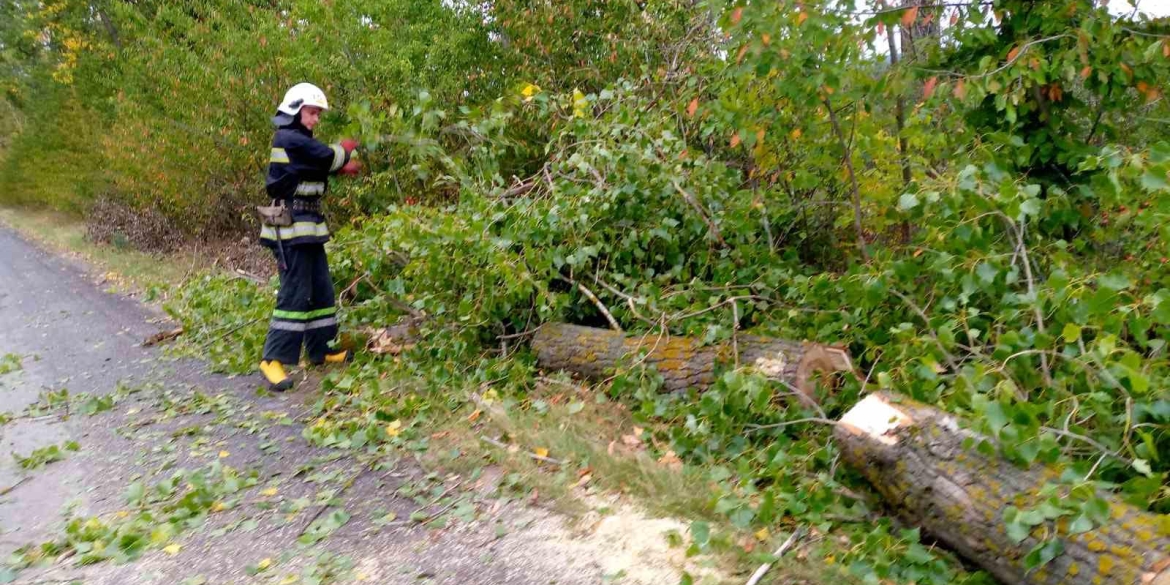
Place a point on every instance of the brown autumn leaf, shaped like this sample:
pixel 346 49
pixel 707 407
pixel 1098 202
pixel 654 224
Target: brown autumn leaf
pixel 960 90
pixel 1166 50
pixel 881 28
pixel 742 52
pixel 1127 70
pixel 162 336
pixel 474 416
pixel 1086 72
pixel 692 108
pixel 1143 87
pixel 1153 94
pixel 736 14
pixel 760 136
pixel 1013 53
pixel 1055 92
pixel 954 18
pixel 928 87
pixel 583 480
pixel 766 39
pixel 633 439
pixel 1161 565
pixel 671 461
pixel 735 140
pixel 800 18
pixel 910 16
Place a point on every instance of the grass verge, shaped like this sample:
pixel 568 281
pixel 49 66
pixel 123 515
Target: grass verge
pixel 128 269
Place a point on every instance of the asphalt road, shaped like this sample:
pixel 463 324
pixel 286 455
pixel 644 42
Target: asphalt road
pixel 69 333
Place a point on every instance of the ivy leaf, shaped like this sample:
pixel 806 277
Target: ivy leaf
pixel 1071 332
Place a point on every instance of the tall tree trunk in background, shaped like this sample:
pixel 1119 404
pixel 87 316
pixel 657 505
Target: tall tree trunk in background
pixel 923 30
pixel 900 125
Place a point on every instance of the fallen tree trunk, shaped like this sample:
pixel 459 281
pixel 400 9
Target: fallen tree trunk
pixel 913 455
pixel 684 362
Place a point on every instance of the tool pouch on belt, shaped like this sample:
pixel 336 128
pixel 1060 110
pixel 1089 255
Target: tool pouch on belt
pixel 278 214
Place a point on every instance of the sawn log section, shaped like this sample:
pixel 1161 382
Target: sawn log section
pixel 683 362
pixel 913 455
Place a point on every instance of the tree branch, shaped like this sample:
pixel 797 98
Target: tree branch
pixel 702 212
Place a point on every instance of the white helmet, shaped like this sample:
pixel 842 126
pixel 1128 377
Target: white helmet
pixel 297 97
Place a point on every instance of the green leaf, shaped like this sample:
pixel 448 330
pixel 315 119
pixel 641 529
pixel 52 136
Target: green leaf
pixel 1043 553
pixel 1071 332
pixel 1080 525
pixel 742 518
pixel 700 533
pixel 1143 467
pixel 907 201
pixel 1030 207
pixel 1114 281
pixel 1017 532
pixel 135 493
pixel 1155 180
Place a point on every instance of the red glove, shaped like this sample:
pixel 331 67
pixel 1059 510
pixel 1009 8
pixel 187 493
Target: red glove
pixel 349 145
pixel 352 167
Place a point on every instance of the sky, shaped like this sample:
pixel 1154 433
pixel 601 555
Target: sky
pixel 1153 8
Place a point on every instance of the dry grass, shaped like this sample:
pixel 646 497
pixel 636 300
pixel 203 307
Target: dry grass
pixel 603 468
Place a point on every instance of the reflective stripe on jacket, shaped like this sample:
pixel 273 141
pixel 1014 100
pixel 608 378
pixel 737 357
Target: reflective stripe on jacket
pixel 298 168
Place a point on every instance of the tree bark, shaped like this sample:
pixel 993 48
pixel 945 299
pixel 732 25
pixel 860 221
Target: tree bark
pixel 914 456
pixel 684 362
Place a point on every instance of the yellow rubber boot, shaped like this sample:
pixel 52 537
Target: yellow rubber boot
pixel 338 358
pixel 274 372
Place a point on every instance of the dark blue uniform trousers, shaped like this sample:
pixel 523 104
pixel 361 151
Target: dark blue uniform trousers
pixel 306 312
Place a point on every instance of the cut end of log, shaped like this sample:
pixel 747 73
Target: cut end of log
pixel 877 418
pixel 819 359
pixel 917 457
pixel 392 340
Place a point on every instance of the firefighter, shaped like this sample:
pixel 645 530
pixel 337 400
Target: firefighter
pixel 298 176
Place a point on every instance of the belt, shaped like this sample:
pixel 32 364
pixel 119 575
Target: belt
pixel 305 205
